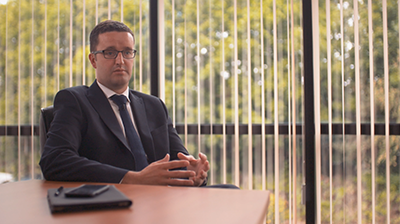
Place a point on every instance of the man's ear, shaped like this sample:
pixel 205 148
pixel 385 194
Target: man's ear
pixel 92 59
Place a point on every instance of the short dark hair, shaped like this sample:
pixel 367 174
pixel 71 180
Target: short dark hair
pixel 104 27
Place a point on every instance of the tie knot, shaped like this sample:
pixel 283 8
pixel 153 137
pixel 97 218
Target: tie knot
pixel 120 100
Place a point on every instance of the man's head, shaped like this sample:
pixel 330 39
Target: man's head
pixel 112 50
pixel 104 27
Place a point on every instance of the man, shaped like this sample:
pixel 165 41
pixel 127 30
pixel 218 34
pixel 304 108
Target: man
pixel 89 139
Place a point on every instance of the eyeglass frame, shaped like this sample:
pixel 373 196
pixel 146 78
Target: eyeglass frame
pixel 102 51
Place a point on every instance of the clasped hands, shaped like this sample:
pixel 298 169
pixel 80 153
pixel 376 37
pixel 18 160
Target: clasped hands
pixel 162 172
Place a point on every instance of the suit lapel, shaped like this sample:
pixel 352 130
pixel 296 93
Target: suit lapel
pixel 139 114
pixel 98 100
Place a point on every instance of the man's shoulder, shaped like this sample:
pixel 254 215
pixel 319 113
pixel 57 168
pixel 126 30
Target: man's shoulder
pixel 143 95
pixel 76 89
pixel 77 92
pixel 149 100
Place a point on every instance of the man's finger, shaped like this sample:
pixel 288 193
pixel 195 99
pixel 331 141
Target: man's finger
pixel 174 164
pixel 185 157
pixel 207 166
pixel 180 174
pixel 203 157
pixel 181 156
pixel 165 159
pixel 180 182
pixel 203 175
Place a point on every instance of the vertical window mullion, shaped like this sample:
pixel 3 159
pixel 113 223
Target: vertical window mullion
pixel 140 46
pixel 122 11
pixel 32 106
pixel 387 111
pixel 198 78
pixel 293 109
pixel 109 9
pixel 84 42
pixel 309 172
pixel 223 97
pixel 317 108
pixel 173 64
pixel 276 118
pixel 358 111
pixel 45 54
pixel 185 69
pixel 58 47
pixel 329 84
pixel 161 48
pixel 45 81
pixel 70 51
pixel 97 11
pixel 249 102
pixel 343 106
pixel 372 106
pixel 236 150
pixel 19 91
pixel 289 112
pixel 263 136
pixel 211 86
pixel 6 96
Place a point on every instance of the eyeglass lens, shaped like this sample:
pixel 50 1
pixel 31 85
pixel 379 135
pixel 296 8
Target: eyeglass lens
pixel 113 54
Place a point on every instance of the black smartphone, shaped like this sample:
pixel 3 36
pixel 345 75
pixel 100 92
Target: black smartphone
pixel 86 190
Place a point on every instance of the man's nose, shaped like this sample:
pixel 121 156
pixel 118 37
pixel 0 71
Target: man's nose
pixel 119 59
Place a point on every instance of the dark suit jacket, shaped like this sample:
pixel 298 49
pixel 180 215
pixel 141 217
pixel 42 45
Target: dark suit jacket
pixel 86 143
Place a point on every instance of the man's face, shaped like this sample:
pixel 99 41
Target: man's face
pixel 113 73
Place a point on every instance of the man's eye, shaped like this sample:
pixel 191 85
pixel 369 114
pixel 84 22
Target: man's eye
pixel 109 53
pixel 128 52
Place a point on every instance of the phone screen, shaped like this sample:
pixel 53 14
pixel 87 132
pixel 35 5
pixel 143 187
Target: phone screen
pixel 87 190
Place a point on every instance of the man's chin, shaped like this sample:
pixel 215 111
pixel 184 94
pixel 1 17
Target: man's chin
pixel 121 76
pixel 120 84
pixel 120 73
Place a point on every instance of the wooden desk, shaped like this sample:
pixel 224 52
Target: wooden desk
pixel 26 202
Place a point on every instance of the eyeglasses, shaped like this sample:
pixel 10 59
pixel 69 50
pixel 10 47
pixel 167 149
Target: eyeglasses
pixel 112 54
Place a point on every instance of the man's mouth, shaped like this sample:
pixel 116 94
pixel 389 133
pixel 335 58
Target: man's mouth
pixel 119 70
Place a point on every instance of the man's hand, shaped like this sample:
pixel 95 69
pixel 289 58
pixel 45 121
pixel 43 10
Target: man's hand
pixel 158 173
pixel 200 166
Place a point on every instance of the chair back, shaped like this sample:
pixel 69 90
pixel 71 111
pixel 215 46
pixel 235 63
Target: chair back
pixel 46 117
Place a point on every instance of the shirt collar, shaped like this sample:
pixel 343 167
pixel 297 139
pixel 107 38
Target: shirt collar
pixel 109 93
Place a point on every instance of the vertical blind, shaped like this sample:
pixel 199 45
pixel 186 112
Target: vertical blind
pixel 45 46
pixel 357 68
pixel 232 71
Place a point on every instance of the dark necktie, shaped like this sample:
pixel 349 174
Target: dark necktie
pixel 130 132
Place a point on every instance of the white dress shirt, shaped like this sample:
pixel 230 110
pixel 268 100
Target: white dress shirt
pixel 108 92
